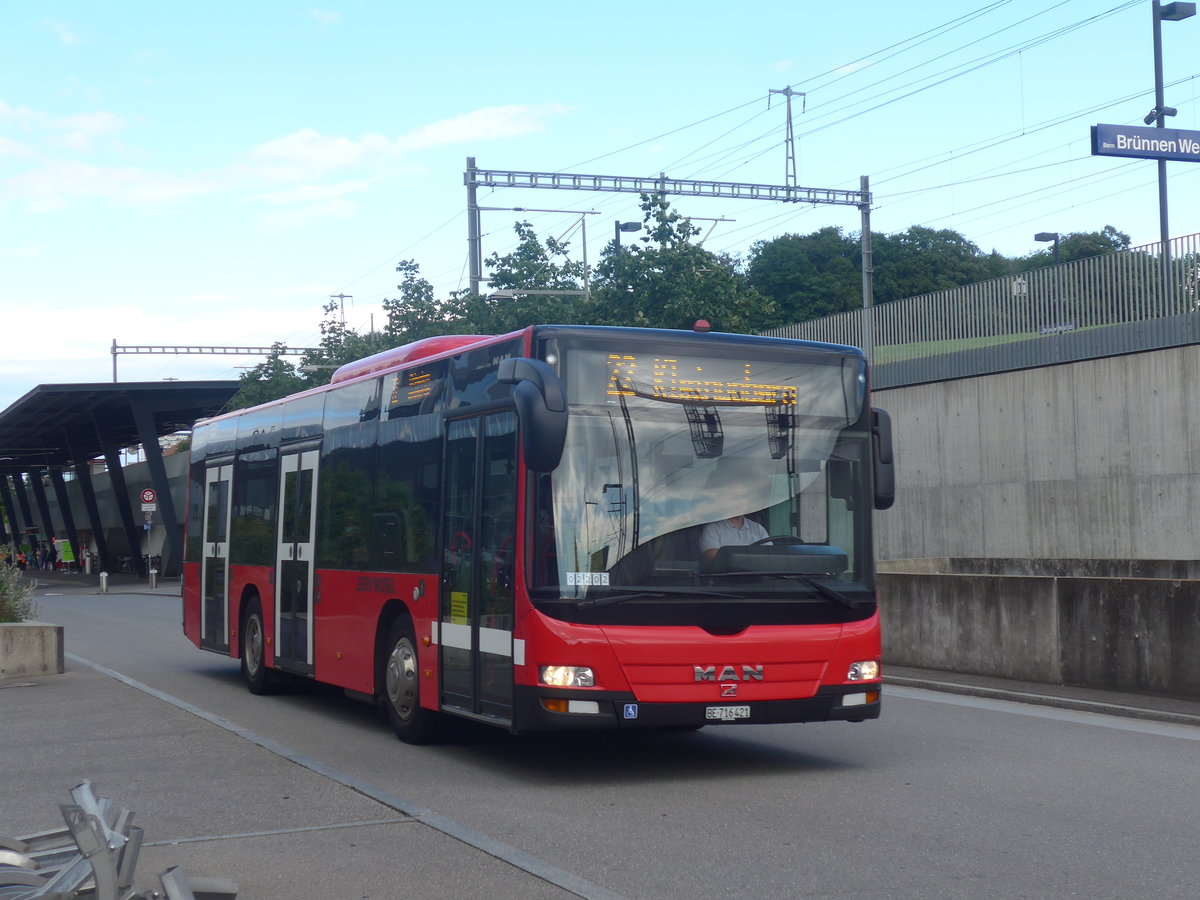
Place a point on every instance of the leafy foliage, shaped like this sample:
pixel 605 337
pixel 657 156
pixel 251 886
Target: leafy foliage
pixel 671 282
pixel 664 280
pixel 269 380
pixel 808 276
pixel 1080 245
pixel 16 594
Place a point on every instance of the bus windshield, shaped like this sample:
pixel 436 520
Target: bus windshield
pixel 661 445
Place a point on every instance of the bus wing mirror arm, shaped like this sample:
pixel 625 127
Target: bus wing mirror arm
pixel 882 461
pixel 541 410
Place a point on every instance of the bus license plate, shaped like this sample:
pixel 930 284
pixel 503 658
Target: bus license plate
pixel 727 713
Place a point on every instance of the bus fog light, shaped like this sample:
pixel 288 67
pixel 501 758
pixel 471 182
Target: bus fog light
pixel 867 670
pixel 864 699
pixel 566 676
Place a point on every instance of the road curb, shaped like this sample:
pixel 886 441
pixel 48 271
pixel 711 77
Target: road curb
pixel 1043 699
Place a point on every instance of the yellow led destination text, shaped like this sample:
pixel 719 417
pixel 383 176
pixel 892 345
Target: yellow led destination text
pixel 660 378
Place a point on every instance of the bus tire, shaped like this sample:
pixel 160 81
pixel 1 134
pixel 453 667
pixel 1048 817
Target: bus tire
pixel 254 656
pixel 401 687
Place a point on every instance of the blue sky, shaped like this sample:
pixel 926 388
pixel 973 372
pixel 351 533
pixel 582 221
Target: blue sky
pixel 183 174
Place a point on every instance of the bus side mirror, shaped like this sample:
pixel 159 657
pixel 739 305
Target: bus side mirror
pixel 882 464
pixel 541 410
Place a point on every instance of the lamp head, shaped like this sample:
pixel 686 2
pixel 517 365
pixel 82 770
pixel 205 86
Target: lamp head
pixel 1173 12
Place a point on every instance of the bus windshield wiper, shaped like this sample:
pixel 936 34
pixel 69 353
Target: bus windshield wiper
pixel 611 599
pixel 823 589
pixel 829 593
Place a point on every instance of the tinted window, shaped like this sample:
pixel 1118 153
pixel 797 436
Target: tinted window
pixel 407 493
pixel 346 487
pixel 258 429
pixel 302 417
pixel 415 392
pixel 473 374
pixel 255 495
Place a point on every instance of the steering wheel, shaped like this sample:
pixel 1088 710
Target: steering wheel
pixel 778 539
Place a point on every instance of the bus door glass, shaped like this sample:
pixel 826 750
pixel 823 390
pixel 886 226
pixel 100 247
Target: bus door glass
pixel 478 534
pixel 215 579
pixel 294 578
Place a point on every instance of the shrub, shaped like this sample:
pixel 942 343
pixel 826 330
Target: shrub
pixel 16 594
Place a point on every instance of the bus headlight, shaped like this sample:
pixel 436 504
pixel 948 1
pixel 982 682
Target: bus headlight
pixel 867 670
pixel 566 676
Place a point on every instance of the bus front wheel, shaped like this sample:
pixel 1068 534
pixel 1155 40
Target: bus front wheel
pixel 402 688
pixel 254 661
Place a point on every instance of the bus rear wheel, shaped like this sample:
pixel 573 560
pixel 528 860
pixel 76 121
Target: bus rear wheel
pixel 402 688
pixel 254 658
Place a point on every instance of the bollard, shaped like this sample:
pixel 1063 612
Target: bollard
pixel 104 582
pixel 153 578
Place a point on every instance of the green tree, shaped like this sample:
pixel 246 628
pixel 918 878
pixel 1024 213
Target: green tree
pixel 269 380
pixel 340 344
pixel 532 266
pixel 808 276
pixel 1078 245
pixel 924 260
pixel 414 315
pixel 670 282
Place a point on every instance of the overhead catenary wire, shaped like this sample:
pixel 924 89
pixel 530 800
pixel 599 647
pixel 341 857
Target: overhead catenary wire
pixel 726 153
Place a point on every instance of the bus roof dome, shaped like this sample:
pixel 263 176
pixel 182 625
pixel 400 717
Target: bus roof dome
pixel 389 359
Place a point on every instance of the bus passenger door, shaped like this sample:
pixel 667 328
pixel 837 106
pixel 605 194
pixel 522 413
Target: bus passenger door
pixel 214 606
pixel 294 576
pixel 477 540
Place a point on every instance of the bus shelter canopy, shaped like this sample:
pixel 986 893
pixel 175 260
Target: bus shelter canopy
pixel 42 427
pixel 60 426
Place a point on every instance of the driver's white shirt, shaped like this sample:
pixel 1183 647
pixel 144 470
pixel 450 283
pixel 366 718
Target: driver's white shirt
pixel 725 534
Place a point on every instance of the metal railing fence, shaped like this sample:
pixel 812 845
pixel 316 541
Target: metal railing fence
pixel 1102 306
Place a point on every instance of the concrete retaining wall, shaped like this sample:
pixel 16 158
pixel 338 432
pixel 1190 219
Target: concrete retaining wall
pixel 1133 634
pixel 1097 459
pixel 30 648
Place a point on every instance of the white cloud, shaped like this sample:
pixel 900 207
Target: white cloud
pixel 308 154
pixel 51 186
pixel 854 67
pixel 78 132
pixel 23 251
pixel 15 149
pixel 324 16
pixel 482 124
pixel 333 208
pixel 64 33
pixel 311 193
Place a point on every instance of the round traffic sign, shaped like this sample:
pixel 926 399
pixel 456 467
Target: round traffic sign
pixel 148 495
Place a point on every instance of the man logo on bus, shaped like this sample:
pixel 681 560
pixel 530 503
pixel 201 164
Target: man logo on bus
pixel 727 673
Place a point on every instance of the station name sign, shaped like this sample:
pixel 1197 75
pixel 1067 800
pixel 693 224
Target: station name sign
pixel 1145 143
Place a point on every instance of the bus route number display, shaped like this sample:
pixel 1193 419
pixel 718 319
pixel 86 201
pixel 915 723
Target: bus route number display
pixel 691 381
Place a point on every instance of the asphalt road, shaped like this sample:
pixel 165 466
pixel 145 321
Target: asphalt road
pixel 945 796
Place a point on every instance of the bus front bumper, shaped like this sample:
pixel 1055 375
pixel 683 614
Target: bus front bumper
pixel 546 709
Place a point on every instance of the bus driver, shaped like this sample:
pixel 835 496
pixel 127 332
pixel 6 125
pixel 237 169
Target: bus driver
pixel 736 531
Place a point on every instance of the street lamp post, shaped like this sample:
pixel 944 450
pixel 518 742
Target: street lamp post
pixel 1045 236
pixel 1172 12
pixel 1055 304
pixel 619 226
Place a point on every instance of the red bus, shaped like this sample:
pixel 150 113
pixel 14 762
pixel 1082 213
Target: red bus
pixel 519 530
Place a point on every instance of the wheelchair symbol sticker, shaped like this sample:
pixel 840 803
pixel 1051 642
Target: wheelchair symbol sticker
pixel 631 710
